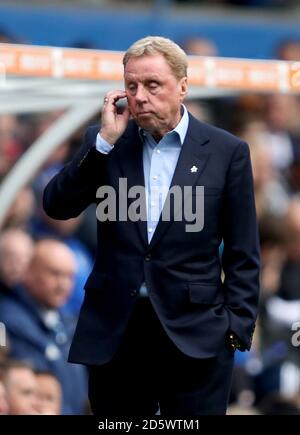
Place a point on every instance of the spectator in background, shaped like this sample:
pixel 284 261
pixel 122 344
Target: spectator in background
pixel 271 195
pixel 199 110
pixel 65 231
pixel 21 210
pixel 16 250
pixel 282 114
pixel 289 50
pixel 21 388
pixel 10 146
pixel 200 46
pixel 49 393
pixel 281 311
pixel 37 329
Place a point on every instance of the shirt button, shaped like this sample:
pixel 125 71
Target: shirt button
pixel 155 177
pixel 150 230
pixel 157 151
pixel 152 204
pixel 148 257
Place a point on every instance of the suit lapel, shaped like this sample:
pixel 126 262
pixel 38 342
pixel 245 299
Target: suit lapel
pixel 191 163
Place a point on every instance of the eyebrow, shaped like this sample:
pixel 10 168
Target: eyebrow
pixel 149 78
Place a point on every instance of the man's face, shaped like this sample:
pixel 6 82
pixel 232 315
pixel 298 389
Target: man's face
pixel 53 281
pixel 154 94
pixel 21 388
pixel 50 276
pixel 49 395
pixel 15 259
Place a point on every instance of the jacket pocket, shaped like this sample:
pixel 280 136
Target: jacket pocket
pixel 96 280
pixel 210 294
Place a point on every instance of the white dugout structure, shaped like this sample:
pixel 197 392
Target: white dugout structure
pixel 41 79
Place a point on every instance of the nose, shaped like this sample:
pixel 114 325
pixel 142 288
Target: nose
pixel 64 282
pixel 141 94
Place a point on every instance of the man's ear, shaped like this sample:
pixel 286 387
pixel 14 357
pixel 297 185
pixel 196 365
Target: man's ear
pixel 183 88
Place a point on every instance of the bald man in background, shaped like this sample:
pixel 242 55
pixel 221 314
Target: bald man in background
pixel 37 329
pixel 16 250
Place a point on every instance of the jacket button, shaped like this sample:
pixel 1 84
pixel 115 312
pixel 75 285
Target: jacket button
pixel 148 257
pixel 133 292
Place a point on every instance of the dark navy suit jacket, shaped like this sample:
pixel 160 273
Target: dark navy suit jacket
pixel 182 270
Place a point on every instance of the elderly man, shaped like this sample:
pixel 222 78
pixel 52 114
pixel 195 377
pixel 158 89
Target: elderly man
pixel 158 327
pixel 36 328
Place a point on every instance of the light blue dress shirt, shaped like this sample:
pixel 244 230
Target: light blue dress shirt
pixel 159 161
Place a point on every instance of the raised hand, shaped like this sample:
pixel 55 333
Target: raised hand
pixel 113 124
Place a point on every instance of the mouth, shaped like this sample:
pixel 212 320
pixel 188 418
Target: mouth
pixel 143 113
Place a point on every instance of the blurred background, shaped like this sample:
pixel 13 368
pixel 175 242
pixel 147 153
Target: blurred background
pixel 252 28
pixel 44 263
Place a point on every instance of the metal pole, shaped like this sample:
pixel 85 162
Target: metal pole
pixel 41 149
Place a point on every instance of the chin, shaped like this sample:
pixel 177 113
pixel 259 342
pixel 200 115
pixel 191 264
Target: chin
pixel 145 124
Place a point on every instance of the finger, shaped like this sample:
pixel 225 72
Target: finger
pixel 108 103
pixel 114 96
pixel 126 112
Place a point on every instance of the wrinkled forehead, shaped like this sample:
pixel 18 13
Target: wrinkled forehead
pixel 155 65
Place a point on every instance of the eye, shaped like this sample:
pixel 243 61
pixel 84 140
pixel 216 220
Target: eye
pixel 131 87
pixel 153 85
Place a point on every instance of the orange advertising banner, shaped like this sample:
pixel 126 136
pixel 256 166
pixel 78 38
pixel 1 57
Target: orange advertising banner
pixel 211 72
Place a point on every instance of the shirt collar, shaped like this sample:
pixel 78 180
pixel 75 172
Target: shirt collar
pixel 181 128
